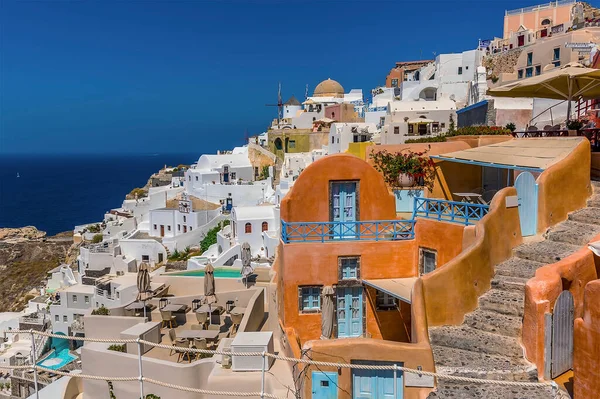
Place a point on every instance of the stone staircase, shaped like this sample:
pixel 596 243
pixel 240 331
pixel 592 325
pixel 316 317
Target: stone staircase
pixel 488 343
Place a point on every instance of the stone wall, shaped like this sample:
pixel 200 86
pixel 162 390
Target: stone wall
pixel 499 63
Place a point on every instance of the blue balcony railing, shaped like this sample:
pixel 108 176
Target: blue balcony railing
pixel 450 211
pixel 376 230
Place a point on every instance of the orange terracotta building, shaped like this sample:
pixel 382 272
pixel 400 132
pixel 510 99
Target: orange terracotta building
pixel 341 238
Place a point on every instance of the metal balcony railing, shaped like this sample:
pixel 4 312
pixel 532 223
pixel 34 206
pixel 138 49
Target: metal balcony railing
pixel 449 211
pixel 373 230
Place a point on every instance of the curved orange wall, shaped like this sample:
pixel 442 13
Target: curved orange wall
pixel 564 187
pixel 542 291
pixel 453 290
pixel 586 345
pixel 308 199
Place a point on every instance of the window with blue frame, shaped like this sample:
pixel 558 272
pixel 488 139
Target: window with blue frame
pixel 309 299
pixel 349 268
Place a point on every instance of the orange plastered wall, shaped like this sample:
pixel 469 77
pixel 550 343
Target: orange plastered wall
pixel 586 345
pixel 542 291
pixel 317 264
pixel 308 200
pixel 453 290
pixel 564 187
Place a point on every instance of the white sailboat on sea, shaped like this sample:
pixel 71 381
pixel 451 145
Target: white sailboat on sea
pixel 18 174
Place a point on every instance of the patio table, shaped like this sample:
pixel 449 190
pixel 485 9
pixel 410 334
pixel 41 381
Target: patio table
pixel 191 334
pixel 174 307
pixel 214 310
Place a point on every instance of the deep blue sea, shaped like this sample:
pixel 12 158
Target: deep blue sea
pixel 57 192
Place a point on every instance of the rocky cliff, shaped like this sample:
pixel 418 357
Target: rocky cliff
pixel 26 255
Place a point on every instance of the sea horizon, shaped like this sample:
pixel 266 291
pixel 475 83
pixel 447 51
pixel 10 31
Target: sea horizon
pixel 55 192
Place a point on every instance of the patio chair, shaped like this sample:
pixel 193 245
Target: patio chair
pixel 167 319
pixel 532 128
pixel 488 195
pixel 173 338
pixel 236 319
pixel 182 343
pixel 199 343
pixel 202 318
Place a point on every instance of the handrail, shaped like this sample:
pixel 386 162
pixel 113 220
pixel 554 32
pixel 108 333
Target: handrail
pixel 544 111
pixel 450 211
pixel 372 230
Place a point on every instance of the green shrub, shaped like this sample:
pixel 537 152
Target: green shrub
pixel 574 125
pixel 211 236
pixel 152 396
pixel 117 348
pixel 435 139
pixel 264 173
pixel 97 238
pixel 101 311
pixel 175 255
pixel 479 131
pixel 140 192
pixel 95 228
pixel 511 126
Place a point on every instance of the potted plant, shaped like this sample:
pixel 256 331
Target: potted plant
pixel 511 126
pixel 574 126
pixel 405 168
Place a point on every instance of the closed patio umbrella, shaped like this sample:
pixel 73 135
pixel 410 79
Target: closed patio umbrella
pixel 246 262
pixel 571 82
pixel 328 312
pixel 209 283
pixel 143 284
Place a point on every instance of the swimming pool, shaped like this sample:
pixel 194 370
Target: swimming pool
pixel 220 272
pixel 57 359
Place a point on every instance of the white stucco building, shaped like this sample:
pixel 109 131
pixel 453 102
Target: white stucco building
pixel 451 76
pixel 342 134
pixel 182 215
pixel 249 223
pixel 414 119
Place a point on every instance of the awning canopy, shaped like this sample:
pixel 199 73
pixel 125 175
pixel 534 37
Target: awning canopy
pixel 421 120
pixel 400 288
pixel 533 155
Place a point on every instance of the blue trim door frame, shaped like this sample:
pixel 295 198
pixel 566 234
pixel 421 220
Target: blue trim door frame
pixel 527 195
pixel 349 311
pixel 324 385
pixel 344 209
pixel 376 384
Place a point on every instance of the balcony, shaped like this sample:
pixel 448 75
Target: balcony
pixel 449 211
pixel 373 230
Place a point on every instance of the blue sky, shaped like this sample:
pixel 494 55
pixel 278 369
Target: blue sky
pixel 192 76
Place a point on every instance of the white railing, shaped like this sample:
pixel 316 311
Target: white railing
pixel 557 3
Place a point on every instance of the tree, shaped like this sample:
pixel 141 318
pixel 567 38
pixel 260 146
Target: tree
pixel 97 238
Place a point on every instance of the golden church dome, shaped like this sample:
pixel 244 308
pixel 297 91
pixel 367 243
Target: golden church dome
pixel 329 88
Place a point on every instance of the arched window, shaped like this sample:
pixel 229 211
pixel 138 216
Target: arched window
pixel 265 226
pixel 546 22
pixel 248 228
pixel 278 144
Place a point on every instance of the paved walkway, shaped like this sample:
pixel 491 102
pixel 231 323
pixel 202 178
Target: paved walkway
pixel 488 344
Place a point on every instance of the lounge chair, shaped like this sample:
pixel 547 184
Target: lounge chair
pixel 173 338
pixel 168 319
pixel 182 343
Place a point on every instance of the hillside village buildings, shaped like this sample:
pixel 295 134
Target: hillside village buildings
pixel 298 244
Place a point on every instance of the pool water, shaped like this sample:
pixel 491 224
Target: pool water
pixel 222 272
pixel 57 359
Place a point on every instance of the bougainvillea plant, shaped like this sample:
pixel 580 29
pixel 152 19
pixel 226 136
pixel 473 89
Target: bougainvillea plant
pixel 415 164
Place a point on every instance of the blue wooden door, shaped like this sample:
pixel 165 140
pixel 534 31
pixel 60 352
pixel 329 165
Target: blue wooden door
pixel 527 194
pixel 376 384
pixel 324 385
pixel 349 312
pixel 343 202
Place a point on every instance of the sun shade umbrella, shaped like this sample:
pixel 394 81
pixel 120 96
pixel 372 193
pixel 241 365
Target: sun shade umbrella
pixel 571 82
pixel 328 313
pixel 143 284
pixel 246 262
pixel 209 283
